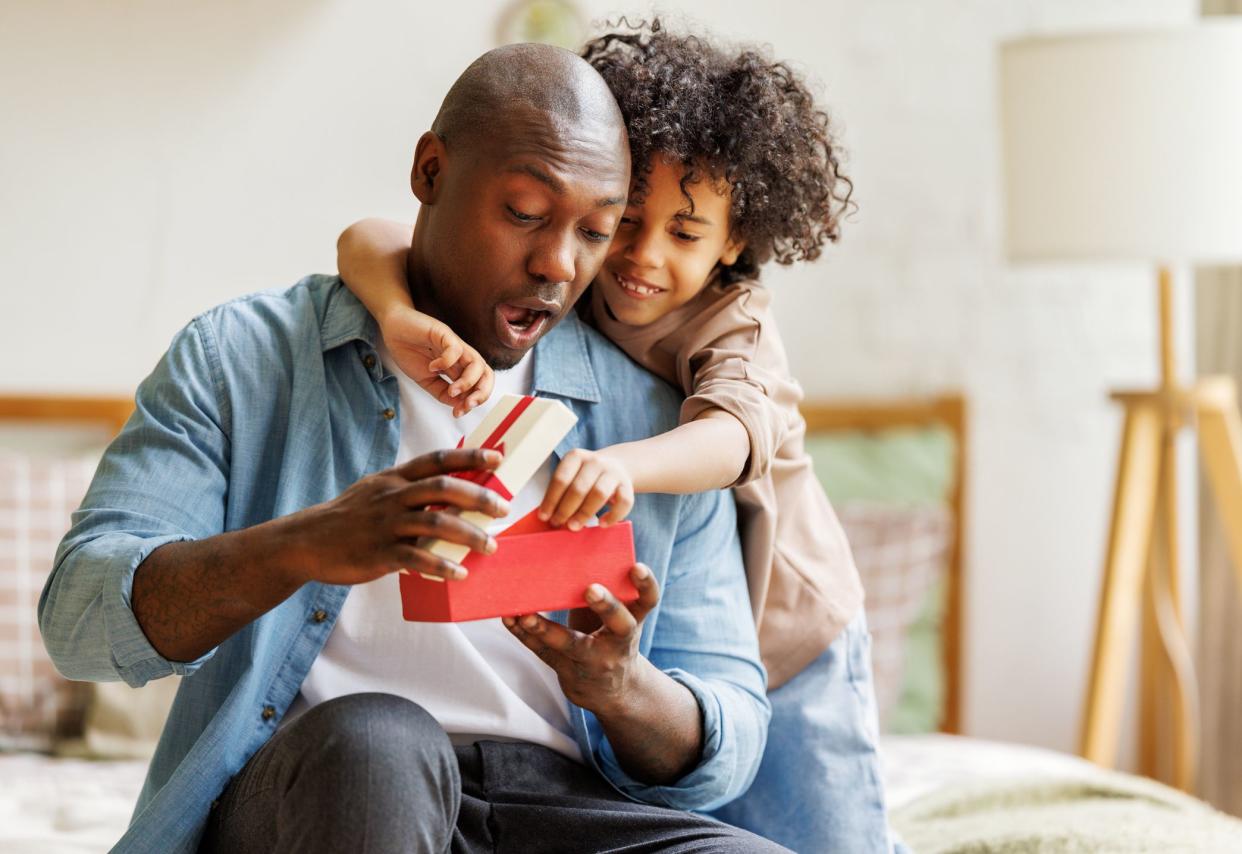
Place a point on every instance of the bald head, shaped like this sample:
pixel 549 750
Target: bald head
pixel 518 86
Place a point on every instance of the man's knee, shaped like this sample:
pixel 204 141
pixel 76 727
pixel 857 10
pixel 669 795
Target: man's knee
pixel 381 731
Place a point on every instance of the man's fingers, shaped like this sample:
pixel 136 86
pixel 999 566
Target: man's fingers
pixel 536 644
pixel 648 592
pixel 408 558
pixel 611 612
pixel 453 492
pixel 447 461
pixel 445 526
pixel 564 640
pixel 561 479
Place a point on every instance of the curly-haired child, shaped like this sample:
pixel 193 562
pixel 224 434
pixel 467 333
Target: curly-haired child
pixel 733 166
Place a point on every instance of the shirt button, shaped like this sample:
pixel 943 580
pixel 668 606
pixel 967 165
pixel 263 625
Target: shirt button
pixel 319 616
pixel 369 360
pixel 269 712
pixel 389 414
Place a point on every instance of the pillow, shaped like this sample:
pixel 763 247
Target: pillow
pixel 37 495
pixel 901 553
pixel 124 722
pixel 890 488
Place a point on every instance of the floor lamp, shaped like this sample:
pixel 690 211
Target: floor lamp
pixel 1128 146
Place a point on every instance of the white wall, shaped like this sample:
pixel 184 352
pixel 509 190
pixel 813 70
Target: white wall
pixel 159 158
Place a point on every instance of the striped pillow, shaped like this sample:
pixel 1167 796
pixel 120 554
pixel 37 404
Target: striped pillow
pixel 902 554
pixel 37 495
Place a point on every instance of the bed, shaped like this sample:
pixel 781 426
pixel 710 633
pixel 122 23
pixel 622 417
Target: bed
pixel 68 784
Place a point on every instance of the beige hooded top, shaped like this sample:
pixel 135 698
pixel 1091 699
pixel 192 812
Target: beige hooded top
pixel 722 350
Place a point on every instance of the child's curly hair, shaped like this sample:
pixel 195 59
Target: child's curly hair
pixel 749 120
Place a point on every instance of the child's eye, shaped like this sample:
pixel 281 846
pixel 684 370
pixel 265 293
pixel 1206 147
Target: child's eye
pixel 688 238
pixel 521 217
pixel 626 220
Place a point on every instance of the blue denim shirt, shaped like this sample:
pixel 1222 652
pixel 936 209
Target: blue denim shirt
pixel 269 404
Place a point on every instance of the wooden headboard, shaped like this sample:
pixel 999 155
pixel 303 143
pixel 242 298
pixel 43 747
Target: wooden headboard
pixel 836 415
pixel 948 411
pixel 110 412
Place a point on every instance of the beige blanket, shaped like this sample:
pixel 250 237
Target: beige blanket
pixel 1094 811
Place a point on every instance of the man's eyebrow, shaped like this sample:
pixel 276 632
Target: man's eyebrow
pixel 557 186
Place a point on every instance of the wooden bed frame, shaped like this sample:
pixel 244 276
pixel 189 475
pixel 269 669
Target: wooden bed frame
pixel 109 412
pixel 947 410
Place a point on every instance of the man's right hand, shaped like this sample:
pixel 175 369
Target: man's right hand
pixel 373 527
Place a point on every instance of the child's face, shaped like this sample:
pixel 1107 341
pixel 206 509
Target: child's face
pixel 661 256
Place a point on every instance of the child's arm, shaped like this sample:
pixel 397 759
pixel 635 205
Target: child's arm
pixel 741 403
pixel 371 256
pixel 709 452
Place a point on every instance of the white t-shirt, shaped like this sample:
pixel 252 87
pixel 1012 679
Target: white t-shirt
pixel 475 678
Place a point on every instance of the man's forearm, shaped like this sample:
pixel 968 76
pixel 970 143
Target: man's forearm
pixel 189 597
pixel 658 734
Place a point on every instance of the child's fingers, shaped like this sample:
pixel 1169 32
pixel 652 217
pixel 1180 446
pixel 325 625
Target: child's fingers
pixel 472 400
pixel 597 496
pixel 485 385
pixel 561 479
pixel 576 493
pixel 470 375
pixel 619 507
pixel 448 356
pixel 436 387
pixel 482 391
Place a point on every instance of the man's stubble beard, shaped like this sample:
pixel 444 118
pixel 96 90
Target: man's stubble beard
pixel 428 299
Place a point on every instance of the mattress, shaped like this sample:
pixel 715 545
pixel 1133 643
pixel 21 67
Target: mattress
pixel 67 806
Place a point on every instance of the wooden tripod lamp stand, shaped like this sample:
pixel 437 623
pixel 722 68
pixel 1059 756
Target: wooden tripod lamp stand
pixel 1128 147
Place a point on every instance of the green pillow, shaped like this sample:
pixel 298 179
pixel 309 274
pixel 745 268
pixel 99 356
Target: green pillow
pixel 906 467
pixel 898 466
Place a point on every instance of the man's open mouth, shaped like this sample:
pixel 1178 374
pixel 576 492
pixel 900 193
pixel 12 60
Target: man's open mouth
pixel 519 325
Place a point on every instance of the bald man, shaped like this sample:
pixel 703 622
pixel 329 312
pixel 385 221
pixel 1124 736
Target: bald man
pixel 245 527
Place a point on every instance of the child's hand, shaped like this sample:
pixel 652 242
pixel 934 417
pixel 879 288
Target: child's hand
pixel 584 482
pixel 425 349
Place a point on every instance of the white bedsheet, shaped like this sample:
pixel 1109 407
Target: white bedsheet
pixel 72 806
pixel 915 765
pixel 65 806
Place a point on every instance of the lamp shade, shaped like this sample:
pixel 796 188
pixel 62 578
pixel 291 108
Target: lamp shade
pixel 1124 145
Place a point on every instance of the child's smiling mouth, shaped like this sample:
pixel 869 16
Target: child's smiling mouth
pixel 637 288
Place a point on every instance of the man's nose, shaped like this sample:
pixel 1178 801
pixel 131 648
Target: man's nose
pixel 553 259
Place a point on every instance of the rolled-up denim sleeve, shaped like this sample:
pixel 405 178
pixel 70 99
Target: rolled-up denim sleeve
pixel 704 637
pixel 164 479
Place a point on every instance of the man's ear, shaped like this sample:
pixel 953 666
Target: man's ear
pixel 429 161
pixel 732 250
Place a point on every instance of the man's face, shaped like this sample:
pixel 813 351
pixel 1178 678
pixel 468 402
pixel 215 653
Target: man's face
pixel 515 231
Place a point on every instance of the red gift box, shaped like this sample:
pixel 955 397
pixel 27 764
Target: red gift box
pixel 535 568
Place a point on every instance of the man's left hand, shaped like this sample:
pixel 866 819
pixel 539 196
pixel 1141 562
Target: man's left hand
pixel 599 670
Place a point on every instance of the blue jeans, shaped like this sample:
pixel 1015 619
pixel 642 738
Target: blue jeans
pixel 819 789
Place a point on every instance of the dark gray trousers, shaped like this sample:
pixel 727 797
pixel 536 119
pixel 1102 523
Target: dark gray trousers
pixel 376 773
